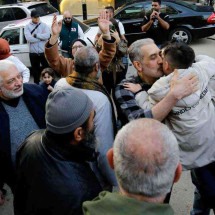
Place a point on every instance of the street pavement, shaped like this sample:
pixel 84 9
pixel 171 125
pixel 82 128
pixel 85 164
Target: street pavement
pixel 182 194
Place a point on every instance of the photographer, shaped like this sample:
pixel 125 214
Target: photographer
pixel 156 24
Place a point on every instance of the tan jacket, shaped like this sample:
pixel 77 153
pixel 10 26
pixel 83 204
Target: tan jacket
pixel 64 66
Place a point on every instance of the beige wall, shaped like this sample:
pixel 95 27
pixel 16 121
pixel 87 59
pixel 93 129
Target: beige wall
pixel 75 6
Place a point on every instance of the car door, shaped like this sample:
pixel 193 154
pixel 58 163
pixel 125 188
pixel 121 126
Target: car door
pixel 132 19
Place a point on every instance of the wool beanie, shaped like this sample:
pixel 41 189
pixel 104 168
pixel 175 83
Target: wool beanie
pixel 66 110
pixel 4 49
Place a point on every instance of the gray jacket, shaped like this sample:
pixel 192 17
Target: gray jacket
pixel 38 38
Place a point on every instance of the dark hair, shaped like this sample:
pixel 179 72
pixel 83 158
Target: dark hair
pixel 48 70
pixel 109 8
pixel 179 55
pixel 158 1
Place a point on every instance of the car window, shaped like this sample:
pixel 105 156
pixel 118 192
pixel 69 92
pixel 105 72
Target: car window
pixel 164 9
pixel 19 13
pixel 148 8
pixel 43 9
pixel 6 14
pixel 12 36
pixel 168 10
pixel 133 12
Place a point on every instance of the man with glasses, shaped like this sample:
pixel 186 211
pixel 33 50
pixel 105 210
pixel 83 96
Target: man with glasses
pixel 22 110
pixel 70 31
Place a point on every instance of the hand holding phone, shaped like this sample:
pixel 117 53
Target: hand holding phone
pixel 112 27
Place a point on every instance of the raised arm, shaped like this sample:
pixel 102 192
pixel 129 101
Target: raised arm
pixel 64 66
pixel 109 45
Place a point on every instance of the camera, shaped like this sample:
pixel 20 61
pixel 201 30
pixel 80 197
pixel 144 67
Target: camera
pixel 153 18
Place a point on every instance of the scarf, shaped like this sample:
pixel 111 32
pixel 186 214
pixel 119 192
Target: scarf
pixel 78 81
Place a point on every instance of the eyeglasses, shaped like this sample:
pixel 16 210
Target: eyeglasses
pixel 77 47
pixel 67 18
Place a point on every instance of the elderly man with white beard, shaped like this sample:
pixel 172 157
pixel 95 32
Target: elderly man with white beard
pixel 22 110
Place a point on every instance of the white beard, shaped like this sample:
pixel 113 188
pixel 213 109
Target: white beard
pixel 10 94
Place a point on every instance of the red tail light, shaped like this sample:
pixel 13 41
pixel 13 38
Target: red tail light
pixel 211 19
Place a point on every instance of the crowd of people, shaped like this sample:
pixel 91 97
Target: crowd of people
pixel 94 142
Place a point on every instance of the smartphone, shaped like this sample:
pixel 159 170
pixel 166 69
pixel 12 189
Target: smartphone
pixel 112 27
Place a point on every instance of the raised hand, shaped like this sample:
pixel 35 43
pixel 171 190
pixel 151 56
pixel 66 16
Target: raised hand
pixel 103 22
pixel 185 86
pixel 115 35
pixel 56 26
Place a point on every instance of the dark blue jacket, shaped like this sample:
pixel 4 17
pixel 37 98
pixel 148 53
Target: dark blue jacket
pixel 35 100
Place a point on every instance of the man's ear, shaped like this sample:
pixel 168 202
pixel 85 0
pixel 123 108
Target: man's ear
pixel 137 65
pixel 78 135
pixel 110 158
pixel 97 67
pixel 178 172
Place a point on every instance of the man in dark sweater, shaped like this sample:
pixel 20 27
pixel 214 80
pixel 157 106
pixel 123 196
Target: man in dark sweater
pixel 22 110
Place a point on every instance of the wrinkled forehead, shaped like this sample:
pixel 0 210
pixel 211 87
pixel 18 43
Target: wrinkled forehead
pixel 150 50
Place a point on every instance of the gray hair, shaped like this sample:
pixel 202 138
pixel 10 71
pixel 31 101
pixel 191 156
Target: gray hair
pixel 4 66
pixel 134 51
pixel 85 59
pixel 146 156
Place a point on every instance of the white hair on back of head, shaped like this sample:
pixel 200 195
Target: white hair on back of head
pixel 146 156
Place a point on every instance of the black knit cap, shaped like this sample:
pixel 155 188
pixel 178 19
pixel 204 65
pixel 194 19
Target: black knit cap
pixel 35 13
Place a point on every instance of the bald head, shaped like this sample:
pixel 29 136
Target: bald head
pixel 146 157
pixel 67 17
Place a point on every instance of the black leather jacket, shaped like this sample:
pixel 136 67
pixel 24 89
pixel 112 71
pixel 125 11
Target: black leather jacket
pixel 52 179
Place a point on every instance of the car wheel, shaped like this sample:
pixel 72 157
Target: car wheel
pixel 180 34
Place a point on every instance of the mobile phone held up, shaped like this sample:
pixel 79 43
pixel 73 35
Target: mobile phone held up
pixel 112 27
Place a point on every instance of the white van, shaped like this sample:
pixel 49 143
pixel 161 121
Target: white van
pixel 14 34
pixel 10 13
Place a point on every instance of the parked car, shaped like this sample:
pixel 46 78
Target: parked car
pixel 188 21
pixel 10 13
pixel 14 34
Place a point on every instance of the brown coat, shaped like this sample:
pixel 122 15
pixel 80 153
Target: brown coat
pixel 64 66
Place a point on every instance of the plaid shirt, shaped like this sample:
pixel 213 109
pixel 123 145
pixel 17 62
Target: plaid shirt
pixel 127 102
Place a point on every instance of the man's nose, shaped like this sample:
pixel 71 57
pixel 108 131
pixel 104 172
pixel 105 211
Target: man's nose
pixel 19 81
pixel 160 60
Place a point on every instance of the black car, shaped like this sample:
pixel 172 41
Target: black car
pixel 188 21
